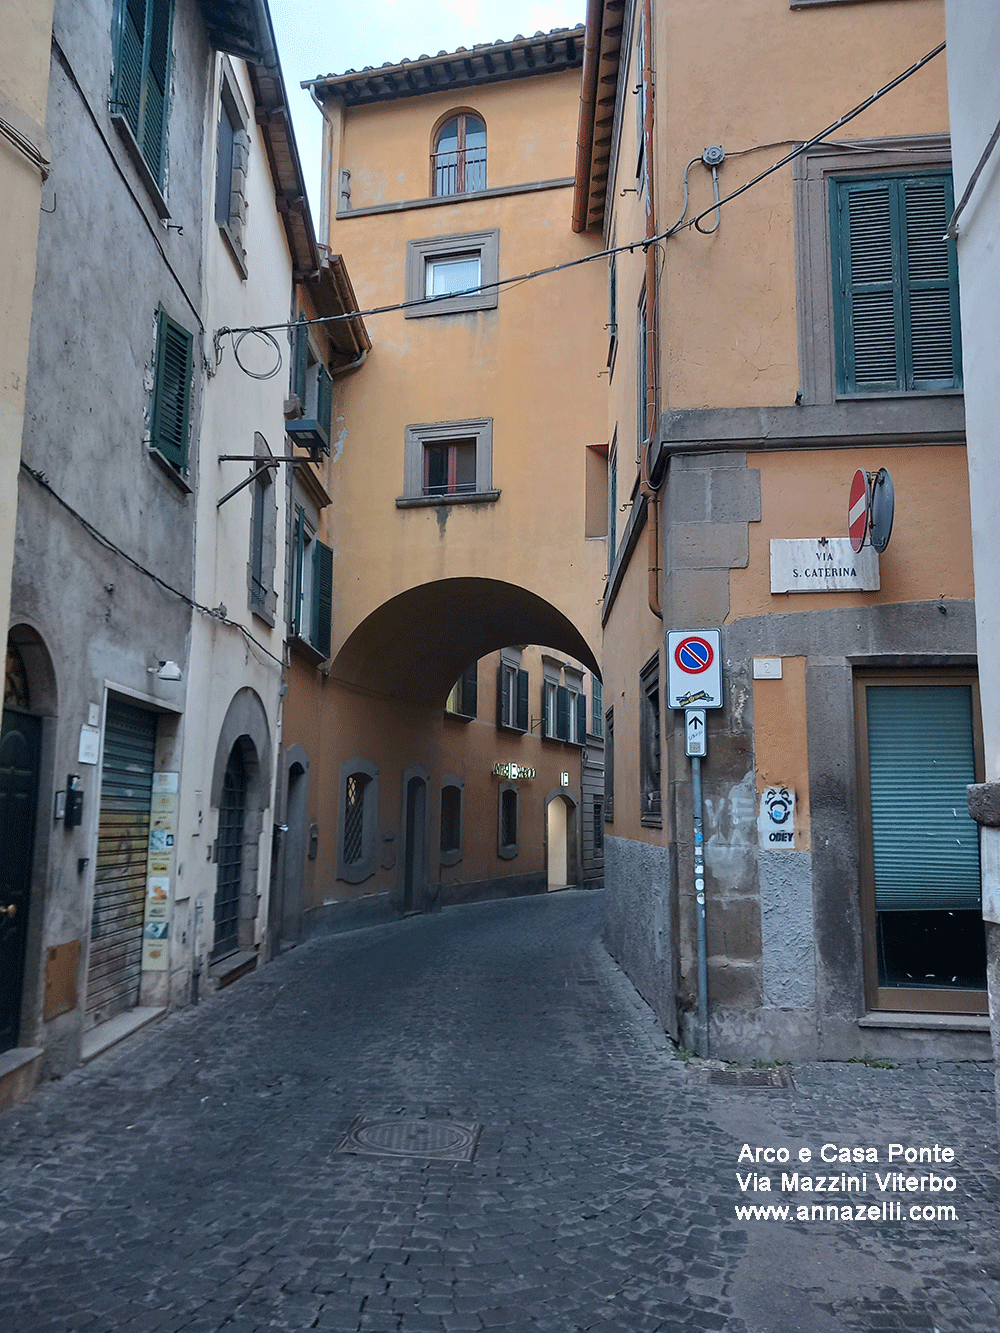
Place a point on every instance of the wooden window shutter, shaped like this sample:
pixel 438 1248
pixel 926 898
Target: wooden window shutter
pixel 562 713
pixel 470 690
pixel 502 719
pixel 896 303
pixel 172 390
pixel 301 360
pixel 300 543
pixel 156 86
pixel 522 700
pixel 931 310
pixel 126 94
pixel 581 719
pixel 324 404
pixel 322 609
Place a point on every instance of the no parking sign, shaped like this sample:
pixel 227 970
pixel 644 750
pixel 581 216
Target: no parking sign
pixel 694 668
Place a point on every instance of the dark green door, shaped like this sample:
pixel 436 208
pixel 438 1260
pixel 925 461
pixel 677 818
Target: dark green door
pixel 19 748
pixel 228 881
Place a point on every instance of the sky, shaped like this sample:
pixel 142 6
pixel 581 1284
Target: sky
pixel 332 36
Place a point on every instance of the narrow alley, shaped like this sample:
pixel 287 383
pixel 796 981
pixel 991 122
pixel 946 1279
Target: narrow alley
pixel 194 1178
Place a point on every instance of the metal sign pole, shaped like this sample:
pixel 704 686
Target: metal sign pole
pixel 699 889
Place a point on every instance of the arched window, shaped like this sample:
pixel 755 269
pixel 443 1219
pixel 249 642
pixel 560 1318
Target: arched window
pixel 458 163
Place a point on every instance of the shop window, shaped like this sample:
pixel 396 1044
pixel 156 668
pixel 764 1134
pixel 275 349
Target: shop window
pixel 508 815
pixel 919 746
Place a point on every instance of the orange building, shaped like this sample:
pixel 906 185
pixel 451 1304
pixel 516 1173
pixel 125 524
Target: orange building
pixel 439 726
pixel 762 351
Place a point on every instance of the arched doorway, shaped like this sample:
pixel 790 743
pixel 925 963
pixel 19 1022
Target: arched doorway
pixel 414 859
pixel 20 749
pixel 561 841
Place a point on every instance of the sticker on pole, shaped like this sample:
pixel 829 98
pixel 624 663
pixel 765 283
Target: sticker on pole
pixel 694 668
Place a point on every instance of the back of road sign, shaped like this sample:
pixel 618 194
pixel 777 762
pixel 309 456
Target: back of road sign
pixel 694 668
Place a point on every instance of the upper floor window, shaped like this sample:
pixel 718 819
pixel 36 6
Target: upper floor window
pixel 141 82
pixel 174 363
pixel 231 165
pixel 458 163
pixel 895 303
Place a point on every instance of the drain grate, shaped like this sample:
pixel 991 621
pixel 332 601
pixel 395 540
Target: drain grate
pixel 751 1078
pixel 437 1140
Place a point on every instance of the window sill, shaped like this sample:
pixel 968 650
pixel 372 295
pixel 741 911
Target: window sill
pixel 262 613
pixel 898 393
pixel 304 649
pixel 166 466
pixel 451 858
pixel 459 717
pixel 507 853
pixel 651 821
pixel 441 501
pixel 139 162
pixel 927 1022
pixel 517 731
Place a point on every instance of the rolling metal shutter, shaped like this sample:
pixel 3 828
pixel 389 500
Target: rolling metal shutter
pixel 122 850
pixel 921 758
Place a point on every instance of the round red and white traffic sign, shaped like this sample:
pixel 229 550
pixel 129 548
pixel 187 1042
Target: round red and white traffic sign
pixel 857 511
pixel 694 654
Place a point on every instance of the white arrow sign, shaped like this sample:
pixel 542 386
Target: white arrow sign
pixel 694 732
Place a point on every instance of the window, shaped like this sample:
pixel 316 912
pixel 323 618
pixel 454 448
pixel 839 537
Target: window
pixel 576 710
pixel 596 484
pixel 141 81
pixel 551 673
pixel 649 742
pixel 448 462
pixel 312 588
pixel 458 163
pixel 858 235
pixel 463 701
pixel 312 385
pixel 597 706
pixel 895 284
pixel 450 467
pixel 358 820
pixel 232 162
pixel 507 821
pixel 598 827
pixel 452 800
pixel 512 692
pixel 171 391
pixel 262 599
pixel 442 273
pixel 640 104
pixel 609 766
pixel 919 746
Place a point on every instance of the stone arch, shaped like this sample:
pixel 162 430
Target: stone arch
pixel 415 645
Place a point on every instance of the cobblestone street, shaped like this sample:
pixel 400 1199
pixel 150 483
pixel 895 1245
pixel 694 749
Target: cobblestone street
pixel 192 1178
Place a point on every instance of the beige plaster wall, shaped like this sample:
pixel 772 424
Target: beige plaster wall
pixel 24 79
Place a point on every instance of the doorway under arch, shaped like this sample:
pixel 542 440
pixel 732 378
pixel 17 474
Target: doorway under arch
pixel 562 861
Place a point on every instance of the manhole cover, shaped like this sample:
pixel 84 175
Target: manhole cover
pixel 751 1078
pixel 440 1140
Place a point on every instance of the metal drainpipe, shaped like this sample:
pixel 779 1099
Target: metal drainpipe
pixel 652 325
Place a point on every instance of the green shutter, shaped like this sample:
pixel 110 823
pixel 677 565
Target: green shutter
pixel 172 390
pixel 921 759
pixel 581 719
pixel 470 690
pixel 156 87
pixel 324 404
pixel 126 90
pixel 562 712
pixel 612 509
pixel 522 700
pixel 597 718
pixel 502 720
pixel 322 608
pixel 896 314
pixel 301 360
pixel 300 544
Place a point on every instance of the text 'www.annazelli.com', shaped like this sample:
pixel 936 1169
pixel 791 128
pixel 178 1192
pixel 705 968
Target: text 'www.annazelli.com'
pixel 890 1181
